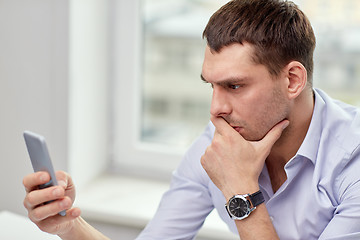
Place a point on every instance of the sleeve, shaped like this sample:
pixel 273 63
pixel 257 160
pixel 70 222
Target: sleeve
pixel 184 207
pixel 345 223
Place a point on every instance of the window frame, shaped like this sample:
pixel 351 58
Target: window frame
pixel 128 154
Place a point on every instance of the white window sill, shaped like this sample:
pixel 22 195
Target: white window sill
pixel 132 202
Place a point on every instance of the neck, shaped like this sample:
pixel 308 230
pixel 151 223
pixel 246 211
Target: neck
pixel 291 139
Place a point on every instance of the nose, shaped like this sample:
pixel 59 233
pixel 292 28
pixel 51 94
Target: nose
pixel 220 105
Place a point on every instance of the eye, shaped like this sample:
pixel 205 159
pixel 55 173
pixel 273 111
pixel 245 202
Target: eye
pixel 234 87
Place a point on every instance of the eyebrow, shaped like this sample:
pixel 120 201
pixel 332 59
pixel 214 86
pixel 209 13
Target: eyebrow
pixel 229 81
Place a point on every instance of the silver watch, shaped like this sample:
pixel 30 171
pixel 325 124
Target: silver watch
pixel 240 206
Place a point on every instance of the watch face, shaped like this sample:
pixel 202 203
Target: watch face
pixel 238 207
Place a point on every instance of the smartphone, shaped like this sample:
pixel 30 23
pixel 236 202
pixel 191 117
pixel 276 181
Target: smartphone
pixel 40 158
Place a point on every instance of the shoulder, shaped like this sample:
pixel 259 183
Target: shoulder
pixel 340 123
pixel 339 148
pixel 190 166
pixel 198 147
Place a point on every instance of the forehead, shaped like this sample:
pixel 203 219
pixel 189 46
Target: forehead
pixel 233 61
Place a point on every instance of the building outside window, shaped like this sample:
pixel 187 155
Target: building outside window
pixel 174 103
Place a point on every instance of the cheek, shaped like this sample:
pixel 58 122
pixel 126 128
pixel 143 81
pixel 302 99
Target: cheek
pixel 266 113
pixel 275 109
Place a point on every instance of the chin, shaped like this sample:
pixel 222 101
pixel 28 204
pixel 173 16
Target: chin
pixel 252 137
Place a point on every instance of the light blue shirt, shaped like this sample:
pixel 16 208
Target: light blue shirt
pixel 319 200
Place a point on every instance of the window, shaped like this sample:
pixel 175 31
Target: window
pixel 160 104
pixel 176 104
pixel 337 54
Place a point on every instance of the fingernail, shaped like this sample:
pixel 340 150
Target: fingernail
pixel 75 214
pixel 43 178
pixel 64 203
pixel 285 125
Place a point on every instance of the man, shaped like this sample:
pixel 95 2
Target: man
pixel 281 155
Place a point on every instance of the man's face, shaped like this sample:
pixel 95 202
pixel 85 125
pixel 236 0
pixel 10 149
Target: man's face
pixel 244 93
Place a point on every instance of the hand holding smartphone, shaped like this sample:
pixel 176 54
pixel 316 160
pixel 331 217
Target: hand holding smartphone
pixel 40 158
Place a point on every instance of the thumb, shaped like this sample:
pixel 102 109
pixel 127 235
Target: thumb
pixel 62 179
pixel 272 136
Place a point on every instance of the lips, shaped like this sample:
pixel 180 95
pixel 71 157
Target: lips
pixel 237 128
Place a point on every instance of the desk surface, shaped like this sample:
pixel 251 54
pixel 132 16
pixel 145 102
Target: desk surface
pixel 17 227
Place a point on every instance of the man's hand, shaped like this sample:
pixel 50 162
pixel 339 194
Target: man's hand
pixel 46 216
pixel 233 163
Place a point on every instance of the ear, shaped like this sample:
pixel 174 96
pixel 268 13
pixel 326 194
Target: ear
pixel 297 78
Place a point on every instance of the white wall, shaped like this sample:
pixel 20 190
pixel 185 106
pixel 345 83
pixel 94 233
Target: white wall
pixel 53 80
pixel 49 52
pixel 33 88
pixel 88 89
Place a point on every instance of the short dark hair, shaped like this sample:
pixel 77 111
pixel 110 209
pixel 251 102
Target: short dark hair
pixel 279 31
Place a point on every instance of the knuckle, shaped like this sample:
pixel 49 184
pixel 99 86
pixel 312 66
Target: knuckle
pixel 215 141
pixel 29 199
pixel 218 143
pixel 214 146
pixel 207 150
pixel 26 204
pixel 43 227
pixel 35 215
pixel 65 203
pixel 24 181
pixel 27 183
pixel 203 161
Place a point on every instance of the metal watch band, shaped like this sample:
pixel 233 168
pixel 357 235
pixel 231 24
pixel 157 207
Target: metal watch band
pixel 257 198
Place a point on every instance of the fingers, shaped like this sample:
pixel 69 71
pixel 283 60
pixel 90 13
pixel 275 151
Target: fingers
pixel 37 200
pixel 272 136
pixel 37 197
pixel 50 209
pixel 44 205
pixel 53 224
pixel 63 179
pixel 222 127
pixel 32 181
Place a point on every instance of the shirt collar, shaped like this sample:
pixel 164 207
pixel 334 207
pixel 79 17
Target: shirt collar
pixel 309 147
